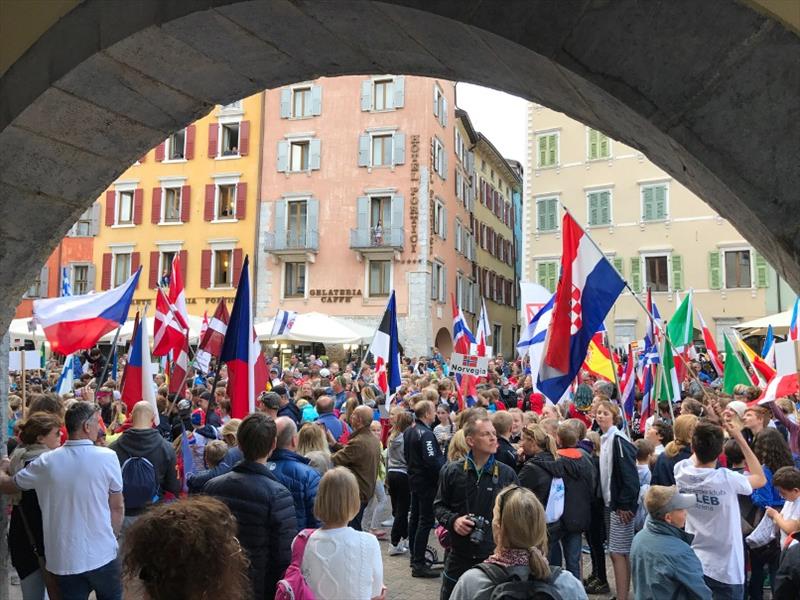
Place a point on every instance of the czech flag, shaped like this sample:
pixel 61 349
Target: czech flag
pixel 137 382
pixel 247 369
pixel 73 323
pixel 385 350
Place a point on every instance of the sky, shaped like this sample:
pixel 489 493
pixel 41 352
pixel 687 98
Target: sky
pixel 499 116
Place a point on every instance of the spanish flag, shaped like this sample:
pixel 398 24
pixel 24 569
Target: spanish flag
pixel 598 360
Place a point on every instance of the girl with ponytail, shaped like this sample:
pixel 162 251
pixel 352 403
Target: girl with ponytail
pixel 676 451
pixel 538 447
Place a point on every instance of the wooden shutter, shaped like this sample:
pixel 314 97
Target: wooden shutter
pixel 136 260
pixel 399 92
pixel 213 133
pixel 312 223
pixel 398 214
pixel 186 203
pixel 677 272
pixel 208 209
pixel 619 265
pixel 636 274
pixel 366 95
pixel 648 204
pixel 594 209
pixel 155 206
pixel 315 154
pixel 543 151
pixel 399 150
pixel 715 270
pixel 183 254
pixel 604 210
pixel 152 282
pixel 279 224
pixel 762 270
pixel 94 228
pixel 91 273
pixel 237 266
pixel 593 146
pixel 191 132
pixel 552 214
pixel 552 149
pixel 241 200
pixel 362 219
pixel 660 199
pixel 286 103
pixel 604 146
pixel 160 149
pixel 363 150
pixel 138 205
pixel 205 269
pixel 282 156
pixel 316 100
pixel 105 282
pixel 111 198
pixel 244 138
pixel 44 277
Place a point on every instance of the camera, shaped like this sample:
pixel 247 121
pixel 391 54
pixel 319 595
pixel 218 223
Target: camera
pixel 478 533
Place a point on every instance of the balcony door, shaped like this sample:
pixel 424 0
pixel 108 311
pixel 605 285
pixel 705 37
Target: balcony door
pixel 296 223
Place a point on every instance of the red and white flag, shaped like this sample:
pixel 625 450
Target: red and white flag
pixel 177 295
pixel 204 324
pixel 711 346
pixel 167 331
pixel 211 341
pixel 781 386
pixel 180 367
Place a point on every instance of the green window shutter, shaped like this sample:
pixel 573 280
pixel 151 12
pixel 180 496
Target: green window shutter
pixel 552 149
pixel 552 215
pixel 543 151
pixel 636 274
pixel 762 270
pixel 661 202
pixel 714 270
pixel 593 146
pixel 594 209
pixel 552 268
pixel 541 274
pixel 541 217
pixel 619 265
pixel 648 208
pixel 677 272
pixel 605 208
pixel 605 147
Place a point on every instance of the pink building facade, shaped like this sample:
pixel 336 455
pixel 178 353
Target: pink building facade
pixel 363 188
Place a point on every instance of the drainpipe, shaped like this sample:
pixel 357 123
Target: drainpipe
pixel 257 249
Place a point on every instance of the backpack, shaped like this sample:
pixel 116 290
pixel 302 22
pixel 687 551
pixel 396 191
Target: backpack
pixel 513 588
pixel 293 586
pixel 555 500
pixel 139 482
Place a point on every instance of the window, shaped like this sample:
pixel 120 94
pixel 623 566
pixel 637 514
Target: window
pixel 599 207
pixel 296 222
pixel 165 267
pixel 294 281
pixel 383 94
pixel 80 280
pixel 172 205
pixel 439 219
pixel 298 158
pixel 301 102
pixel 547 144
pixel 382 150
pixel 497 332
pixel 738 272
pixel 125 207
pixel 654 202
pixel 547 274
pixel 656 272
pixel 439 106
pixel 235 105
pixel 439 158
pixel 230 139
pixel 226 202
pixel 380 211
pixel 35 291
pixel 458 236
pixel 176 145
pixel 379 277
pixel 83 226
pixel 223 268
pixel 599 146
pixel 624 333
pixel 122 268
pixel 438 282
pixel 547 214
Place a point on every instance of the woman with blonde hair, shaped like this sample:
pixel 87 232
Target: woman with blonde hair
pixel 520 535
pixel 537 447
pixel 680 448
pixel 312 443
pixel 397 480
pixel 457 448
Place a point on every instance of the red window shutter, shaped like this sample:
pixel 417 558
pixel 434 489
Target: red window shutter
pixel 152 282
pixel 186 199
pixel 136 260
pixel 205 270
pixel 208 210
pixel 160 149
pixel 111 198
pixel 190 135
pixel 105 282
pixel 237 266
pixel 241 200
pixel 213 132
pixel 138 201
pixel 155 206
pixel 244 138
pixel 183 254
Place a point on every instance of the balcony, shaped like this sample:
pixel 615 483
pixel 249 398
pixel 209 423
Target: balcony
pixel 289 243
pixel 367 239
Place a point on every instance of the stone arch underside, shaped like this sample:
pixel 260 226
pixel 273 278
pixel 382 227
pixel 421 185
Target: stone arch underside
pixel 709 91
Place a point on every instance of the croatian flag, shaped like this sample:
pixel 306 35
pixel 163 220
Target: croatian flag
pixel 532 340
pixel 73 323
pixel 768 351
pixel 587 289
pixel 138 381
pixel 385 350
pixel 794 322
pixel 283 323
pixel 484 331
pixel 247 369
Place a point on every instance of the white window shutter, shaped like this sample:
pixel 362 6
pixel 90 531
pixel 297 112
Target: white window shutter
pixel 399 92
pixel 43 277
pixel 366 95
pixel 90 276
pixel 443 116
pixel 283 156
pixel 444 164
pixel 435 101
pixel 398 215
pixel 363 150
pixel 286 103
pixel 399 155
pixel 444 222
pixel 95 226
pixel 315 154
pixel 443 286
pixel 316 100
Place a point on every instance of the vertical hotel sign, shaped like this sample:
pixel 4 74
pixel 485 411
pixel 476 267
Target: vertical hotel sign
pixel 414 210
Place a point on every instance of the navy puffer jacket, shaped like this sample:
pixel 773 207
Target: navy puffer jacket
pixel 301 479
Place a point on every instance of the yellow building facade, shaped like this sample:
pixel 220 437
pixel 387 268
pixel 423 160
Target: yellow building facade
pixel 196 194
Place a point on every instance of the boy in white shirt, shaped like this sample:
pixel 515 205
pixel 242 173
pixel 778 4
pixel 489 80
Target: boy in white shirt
pixel 715 520
pixel 787 481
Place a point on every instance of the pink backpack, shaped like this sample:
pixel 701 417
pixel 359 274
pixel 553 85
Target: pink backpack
pixel 293 586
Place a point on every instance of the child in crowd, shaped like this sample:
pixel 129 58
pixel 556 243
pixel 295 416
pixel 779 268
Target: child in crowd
pixel 644 458
pixel 214 453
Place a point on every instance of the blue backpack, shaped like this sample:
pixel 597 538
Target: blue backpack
pixel 139 482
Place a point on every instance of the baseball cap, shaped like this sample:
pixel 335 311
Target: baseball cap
pixel 661 499
pixel 738 407
pixel 324 373
pixel 198 418
pixel 271 400
pixel 184 404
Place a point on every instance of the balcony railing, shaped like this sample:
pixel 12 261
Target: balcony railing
pixel 370 238
pixel 288 241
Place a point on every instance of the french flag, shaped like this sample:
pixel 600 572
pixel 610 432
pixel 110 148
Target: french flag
pixel 247 369
pixel 137 381
pixel 768 351
pixel 794 322
pixel 587 289
pixel 73 323
pixel 385 350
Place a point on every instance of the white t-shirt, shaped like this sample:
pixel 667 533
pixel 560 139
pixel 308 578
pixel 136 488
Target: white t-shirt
pixel 343 563
pixel 791 512
pixel 715 520
pixel 73 483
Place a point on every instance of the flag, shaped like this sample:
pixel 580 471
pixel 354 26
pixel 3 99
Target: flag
pixel 670 385
pixel 212 340
pixel 241 351
pixel 782 386
pixel 484 330
pixel 681 327
pixel 137 382
pixel 67 377
pixel 532 340
pixel 462 338
pixel 385 350
pixel 73 323
pixel 587 289
pixel 768 350
pixel 187 461
pixel 711 346
pixel 177 295
pixel 283 323
pixel 204 324
pixel 180 370
pixel 647 398
pixel 735 373
pixel 599 361
pixel 760 366
pixel 628 387
pixel 66 286
pixel 794 322
pixel 114 362
pixel 168 335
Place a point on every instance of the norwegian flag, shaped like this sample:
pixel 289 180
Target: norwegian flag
pixel 462 338
pixel 180 369
pixel 471 361
pixel 212 340
pixel 168 334
pixel 484 332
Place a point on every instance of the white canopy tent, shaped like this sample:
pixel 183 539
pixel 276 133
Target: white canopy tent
pixel 779 322
pixel 19 331
pixel 366 332
pixel 126 333
pixel 312 327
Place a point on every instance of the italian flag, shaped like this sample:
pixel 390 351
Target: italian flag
pixel 735 373
pixel 681 326
pixel 670 386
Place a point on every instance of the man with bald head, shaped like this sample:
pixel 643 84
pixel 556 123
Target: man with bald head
pixel 327 419
pixel 143 441
pixel 294 472
pixel 361 455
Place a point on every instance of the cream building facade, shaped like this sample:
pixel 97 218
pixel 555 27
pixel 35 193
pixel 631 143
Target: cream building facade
pixel 657 233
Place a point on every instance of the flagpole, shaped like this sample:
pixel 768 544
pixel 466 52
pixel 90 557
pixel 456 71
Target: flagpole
pixel 108 360
pixel 24 382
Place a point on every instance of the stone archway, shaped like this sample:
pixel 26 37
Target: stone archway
pixel 708 91
pixel 444 342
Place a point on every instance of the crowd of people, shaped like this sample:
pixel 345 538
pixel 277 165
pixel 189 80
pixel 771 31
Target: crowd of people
pixel 490 494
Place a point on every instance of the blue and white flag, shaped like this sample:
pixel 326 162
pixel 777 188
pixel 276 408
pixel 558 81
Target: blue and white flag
pixel 532 340
pixel 67 377
pixel 283 322
pixel 768 351
pixel 66 286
